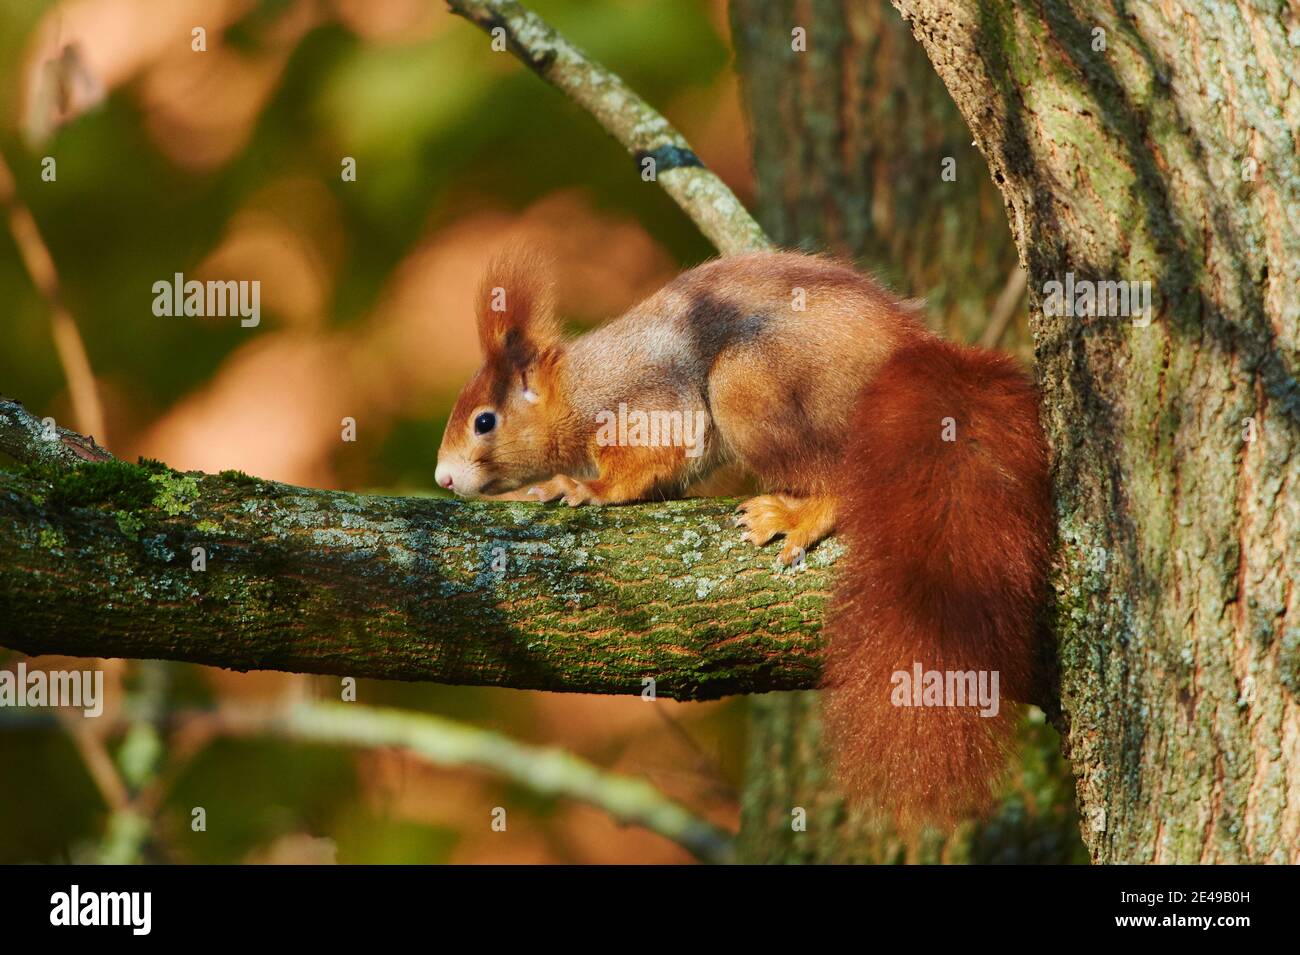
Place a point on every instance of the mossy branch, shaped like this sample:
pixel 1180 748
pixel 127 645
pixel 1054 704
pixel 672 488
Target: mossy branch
pixel 109 559
pixel 103 558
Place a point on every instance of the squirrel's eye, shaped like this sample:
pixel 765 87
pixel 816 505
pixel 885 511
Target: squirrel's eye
pixel 485 422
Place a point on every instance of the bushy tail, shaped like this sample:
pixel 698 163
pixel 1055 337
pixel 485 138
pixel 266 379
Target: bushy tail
pixel 947 517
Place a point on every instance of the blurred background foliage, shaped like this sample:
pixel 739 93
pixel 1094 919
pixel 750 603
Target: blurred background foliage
pixel 227 164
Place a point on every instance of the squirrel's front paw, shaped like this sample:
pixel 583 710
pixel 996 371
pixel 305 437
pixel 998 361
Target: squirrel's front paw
pixel 548 491
pixel 575 493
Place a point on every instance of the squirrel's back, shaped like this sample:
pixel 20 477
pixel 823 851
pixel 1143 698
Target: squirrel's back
pixel 776 345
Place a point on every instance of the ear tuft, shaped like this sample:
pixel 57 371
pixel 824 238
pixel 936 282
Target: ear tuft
pixel 516 307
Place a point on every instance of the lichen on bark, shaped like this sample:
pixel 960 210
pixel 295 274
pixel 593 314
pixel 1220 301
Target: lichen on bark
pixel 104 560
pixel 1155 143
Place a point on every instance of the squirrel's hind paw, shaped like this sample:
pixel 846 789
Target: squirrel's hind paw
pixel 763 518
pixel 803 521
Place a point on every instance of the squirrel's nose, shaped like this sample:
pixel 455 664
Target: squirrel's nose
pixel 442 474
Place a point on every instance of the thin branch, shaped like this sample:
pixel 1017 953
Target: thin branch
pixel 99 561
pixel 84 393
pixel 430 738
pixel 1005 308
pixel 99 764
pixel 625 116
pixel 141 763
pixel 544 770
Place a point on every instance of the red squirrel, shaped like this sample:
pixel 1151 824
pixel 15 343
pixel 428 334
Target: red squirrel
pixel 926 457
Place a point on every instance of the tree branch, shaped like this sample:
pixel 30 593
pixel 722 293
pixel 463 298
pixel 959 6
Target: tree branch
pixel 1005 308
pixel 24 437
pixel 68 343
pixel 99 560
pixel 443 742
pixel 434 740
pixel 625 116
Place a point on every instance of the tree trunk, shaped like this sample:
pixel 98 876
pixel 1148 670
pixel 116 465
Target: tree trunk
pixel 1155 142
pixel 851 138
pixel 850 143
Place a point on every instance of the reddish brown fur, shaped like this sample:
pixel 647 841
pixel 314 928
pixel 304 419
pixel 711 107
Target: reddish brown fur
pixel 948 547
pixel 838 409
pixel 781 402
pixel 515 306
pixel 522 348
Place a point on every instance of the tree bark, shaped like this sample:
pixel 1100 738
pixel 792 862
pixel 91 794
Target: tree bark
pixel 852 137
pixel 850 142
pixel 99 561
pixel 1155 142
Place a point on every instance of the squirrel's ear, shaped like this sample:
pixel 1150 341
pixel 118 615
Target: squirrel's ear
pixel 516 309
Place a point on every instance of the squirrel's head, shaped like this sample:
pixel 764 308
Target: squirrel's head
pixel 499 436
